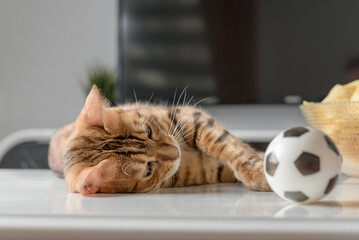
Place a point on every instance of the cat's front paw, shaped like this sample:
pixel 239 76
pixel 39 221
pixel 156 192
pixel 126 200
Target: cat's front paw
pixel 254 178
pixel 257 182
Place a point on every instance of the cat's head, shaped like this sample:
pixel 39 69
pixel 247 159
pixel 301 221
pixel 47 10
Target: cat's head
pixel 116 150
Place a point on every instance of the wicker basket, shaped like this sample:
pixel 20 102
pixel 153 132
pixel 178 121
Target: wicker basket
pixel 340 121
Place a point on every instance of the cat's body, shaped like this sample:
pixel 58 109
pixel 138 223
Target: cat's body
pixel 140 148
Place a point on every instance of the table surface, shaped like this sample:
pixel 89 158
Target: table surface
pixel 35 204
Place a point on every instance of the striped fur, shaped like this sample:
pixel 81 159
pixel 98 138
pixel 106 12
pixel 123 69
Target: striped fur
pixel 140 148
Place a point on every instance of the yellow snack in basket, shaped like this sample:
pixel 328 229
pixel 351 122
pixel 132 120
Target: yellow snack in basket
pixel 339 93
pixel 355 95
pixel 352 84
pixel 342 93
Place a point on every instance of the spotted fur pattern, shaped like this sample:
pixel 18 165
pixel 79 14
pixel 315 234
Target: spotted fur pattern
pixel 141 148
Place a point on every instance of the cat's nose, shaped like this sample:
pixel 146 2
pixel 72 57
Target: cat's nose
pixel 167 153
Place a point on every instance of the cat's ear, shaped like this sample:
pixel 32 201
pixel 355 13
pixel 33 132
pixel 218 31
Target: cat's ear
pixel 96 113
pixel 98 176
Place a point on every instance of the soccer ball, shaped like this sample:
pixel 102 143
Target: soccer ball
pixel 302 164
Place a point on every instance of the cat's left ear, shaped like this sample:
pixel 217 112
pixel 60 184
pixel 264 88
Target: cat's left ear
pixel 96 113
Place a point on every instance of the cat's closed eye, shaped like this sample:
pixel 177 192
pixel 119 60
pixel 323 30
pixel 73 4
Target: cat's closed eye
pixel 149 169
pixel 149 131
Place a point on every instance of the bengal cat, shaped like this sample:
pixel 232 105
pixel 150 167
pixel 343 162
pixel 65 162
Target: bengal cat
pixel 140 148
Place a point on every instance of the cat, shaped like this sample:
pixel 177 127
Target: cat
pixel 141 148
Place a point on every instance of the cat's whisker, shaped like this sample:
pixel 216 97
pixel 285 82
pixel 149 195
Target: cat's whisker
pixel 124 169
pixel 180 131
pixel 177 137
pixel 180 137
pixel 204 99
pixel 179 121
pixel 125 172
pixel 181 142
pixel 187 128
pixel 174 109
pixel 193 107
pixel 155 123
pixel 150 119
pixel 184 130
pixel 135 95
pixel 189 134
pixel 165 183
pixel 181 115
pixel 149 100
pixel 189 100
pixel 184 106
pixel 182 112
pixel 174 98
pixel 176 126
pixel 179 98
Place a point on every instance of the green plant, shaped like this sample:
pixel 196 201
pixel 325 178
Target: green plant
pixel 104 78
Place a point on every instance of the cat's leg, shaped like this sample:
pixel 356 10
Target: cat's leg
pixel 198 168
pixel 202 132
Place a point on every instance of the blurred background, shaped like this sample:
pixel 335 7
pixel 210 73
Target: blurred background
pixel 231 52
pixel 45 49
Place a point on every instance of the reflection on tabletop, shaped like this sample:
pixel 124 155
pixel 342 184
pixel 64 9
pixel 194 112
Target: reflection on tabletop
pixel 223 200
pixel 39 192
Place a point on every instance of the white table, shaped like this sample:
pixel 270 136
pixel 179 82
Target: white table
pixel 34 204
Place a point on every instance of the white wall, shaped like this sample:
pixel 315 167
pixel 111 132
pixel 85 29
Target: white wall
pixel 45 47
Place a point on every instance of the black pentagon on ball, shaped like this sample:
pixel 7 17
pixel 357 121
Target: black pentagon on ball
pixel 307 163
pixel 295 132
pixel 297 196
pixel 271 164
pixel 331 145
pixel 331 184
